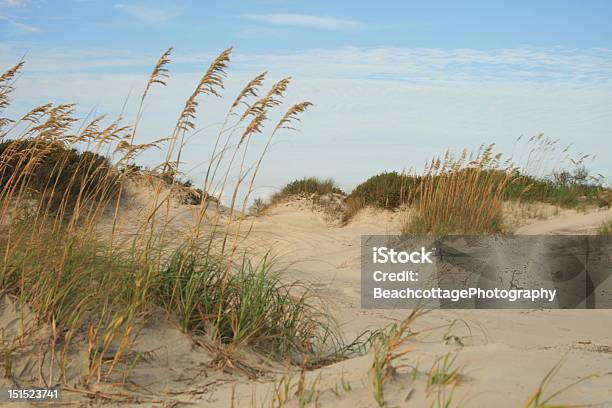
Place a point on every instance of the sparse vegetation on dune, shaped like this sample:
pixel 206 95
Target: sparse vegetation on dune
pixel 63 260
pixel 321 195
pixel 539 399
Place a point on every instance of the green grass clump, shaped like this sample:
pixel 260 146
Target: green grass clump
pixel 605 228
pixel 307 186
pixel 247 304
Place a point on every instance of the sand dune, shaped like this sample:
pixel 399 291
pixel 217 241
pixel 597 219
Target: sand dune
pixel 505 353
pixel 571 222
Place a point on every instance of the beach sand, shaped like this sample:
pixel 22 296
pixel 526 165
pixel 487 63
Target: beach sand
pixel 503 354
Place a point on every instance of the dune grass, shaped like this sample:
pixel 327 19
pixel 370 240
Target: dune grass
pixel 540 399
pixel 461 195
pixel 64 258
pixel 464 194
pixel 605 228
pixel 259 309
pixel 389 344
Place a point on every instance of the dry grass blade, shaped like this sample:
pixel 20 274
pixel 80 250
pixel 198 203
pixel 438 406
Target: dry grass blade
pixel 292 115
pixel 6 81
pixel 209 84
pixel 250 89
pixel 159 75
pixel 538 400
pixel 271 99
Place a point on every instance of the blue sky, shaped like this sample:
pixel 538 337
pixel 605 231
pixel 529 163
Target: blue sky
pixel 393 82
pixel 276 24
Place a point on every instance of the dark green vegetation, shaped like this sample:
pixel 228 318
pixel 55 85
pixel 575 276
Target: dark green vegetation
pixel 62 177
pixel 386 190
pixel 307 186
pixel 456 196
pixel 563 189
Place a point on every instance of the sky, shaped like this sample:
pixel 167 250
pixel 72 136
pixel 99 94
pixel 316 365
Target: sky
pixel 393 83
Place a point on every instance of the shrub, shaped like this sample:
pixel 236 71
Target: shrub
pixel 561 189
pixel 604 198
pixel 307 186
pixel 62 178
pixel 258 206
pixel 385 190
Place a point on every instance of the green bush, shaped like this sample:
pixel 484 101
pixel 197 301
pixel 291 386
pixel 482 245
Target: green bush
pixel 63 178
pixel 386 190
pixel 308 185
pixel 558 189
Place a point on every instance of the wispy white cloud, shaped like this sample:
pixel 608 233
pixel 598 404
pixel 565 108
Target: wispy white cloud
pixel 149 13
pixel 21 26
pixel 419 65
pixel 409 65
pixel 13 3
pixel 306 21
pixel 383 108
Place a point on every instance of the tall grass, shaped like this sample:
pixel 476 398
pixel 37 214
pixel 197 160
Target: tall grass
pixel 64 257
pixel 461 195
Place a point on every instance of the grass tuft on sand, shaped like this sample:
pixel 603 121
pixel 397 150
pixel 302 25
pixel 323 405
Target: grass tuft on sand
pixel 605 228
